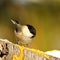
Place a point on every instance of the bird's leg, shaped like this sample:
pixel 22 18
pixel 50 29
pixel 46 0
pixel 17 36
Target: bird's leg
pixel 19 42
pixel 27 45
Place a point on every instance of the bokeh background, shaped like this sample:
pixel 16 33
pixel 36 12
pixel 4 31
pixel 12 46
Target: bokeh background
pixel 44 15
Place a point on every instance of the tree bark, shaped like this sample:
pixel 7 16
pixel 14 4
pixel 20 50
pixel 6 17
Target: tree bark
pixel 16 52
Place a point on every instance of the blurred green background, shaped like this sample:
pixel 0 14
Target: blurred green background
pixel 43 15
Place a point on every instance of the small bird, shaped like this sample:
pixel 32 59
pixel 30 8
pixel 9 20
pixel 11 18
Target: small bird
pixel 24 32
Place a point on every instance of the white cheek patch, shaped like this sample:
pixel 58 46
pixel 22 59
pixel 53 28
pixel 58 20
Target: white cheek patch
pixel 26 31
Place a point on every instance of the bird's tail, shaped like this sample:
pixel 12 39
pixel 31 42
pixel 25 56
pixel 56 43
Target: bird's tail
pixel 14 21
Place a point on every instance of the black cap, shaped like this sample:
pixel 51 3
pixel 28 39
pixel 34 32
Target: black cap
pixel 32 30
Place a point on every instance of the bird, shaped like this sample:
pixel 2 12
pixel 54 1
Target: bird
pixel 24 32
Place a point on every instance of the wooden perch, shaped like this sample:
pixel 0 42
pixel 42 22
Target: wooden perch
pixel 11 51
pixel 53 58
pixel 53 54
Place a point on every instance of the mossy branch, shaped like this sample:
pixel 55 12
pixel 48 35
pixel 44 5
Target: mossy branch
pixel 16 52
